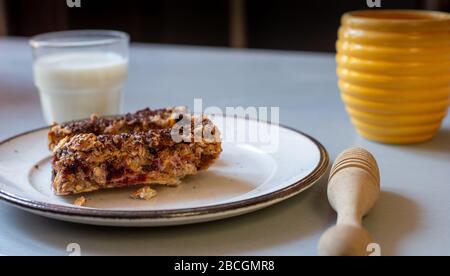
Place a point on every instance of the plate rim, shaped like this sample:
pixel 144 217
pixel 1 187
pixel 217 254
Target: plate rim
pixel 286 192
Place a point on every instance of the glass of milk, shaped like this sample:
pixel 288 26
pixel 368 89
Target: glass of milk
pixel 80 73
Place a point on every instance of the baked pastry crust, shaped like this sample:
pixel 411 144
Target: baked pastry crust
pixel 139 121
pixel 85 162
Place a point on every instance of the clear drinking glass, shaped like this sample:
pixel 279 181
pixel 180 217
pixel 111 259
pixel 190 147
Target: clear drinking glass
pixel 80 73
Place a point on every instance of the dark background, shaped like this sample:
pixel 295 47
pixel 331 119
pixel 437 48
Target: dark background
pixel 309 25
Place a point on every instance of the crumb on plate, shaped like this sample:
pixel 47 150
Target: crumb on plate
pixel 81 201
pixel 145 193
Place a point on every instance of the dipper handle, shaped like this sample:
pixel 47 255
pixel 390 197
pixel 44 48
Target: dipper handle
pixel 353 189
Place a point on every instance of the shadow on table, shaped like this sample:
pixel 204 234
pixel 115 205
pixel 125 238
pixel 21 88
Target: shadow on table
pixel 391 221
pixel 440 144
pixel 437 149
pixel 295 219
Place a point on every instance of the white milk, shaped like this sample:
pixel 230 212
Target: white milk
pixel 77 85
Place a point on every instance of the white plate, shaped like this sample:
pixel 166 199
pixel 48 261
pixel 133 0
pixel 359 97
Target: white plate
pixel 247 177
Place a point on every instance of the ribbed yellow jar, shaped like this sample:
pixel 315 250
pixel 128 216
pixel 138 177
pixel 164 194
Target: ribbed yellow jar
pixel 394 73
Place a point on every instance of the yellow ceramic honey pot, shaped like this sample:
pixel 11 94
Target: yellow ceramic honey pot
pixel 394 73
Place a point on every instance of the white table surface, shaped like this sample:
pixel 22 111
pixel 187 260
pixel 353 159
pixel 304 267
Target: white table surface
pixel 413 214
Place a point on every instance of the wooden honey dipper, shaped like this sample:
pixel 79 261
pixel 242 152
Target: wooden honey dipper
pixel 353 189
